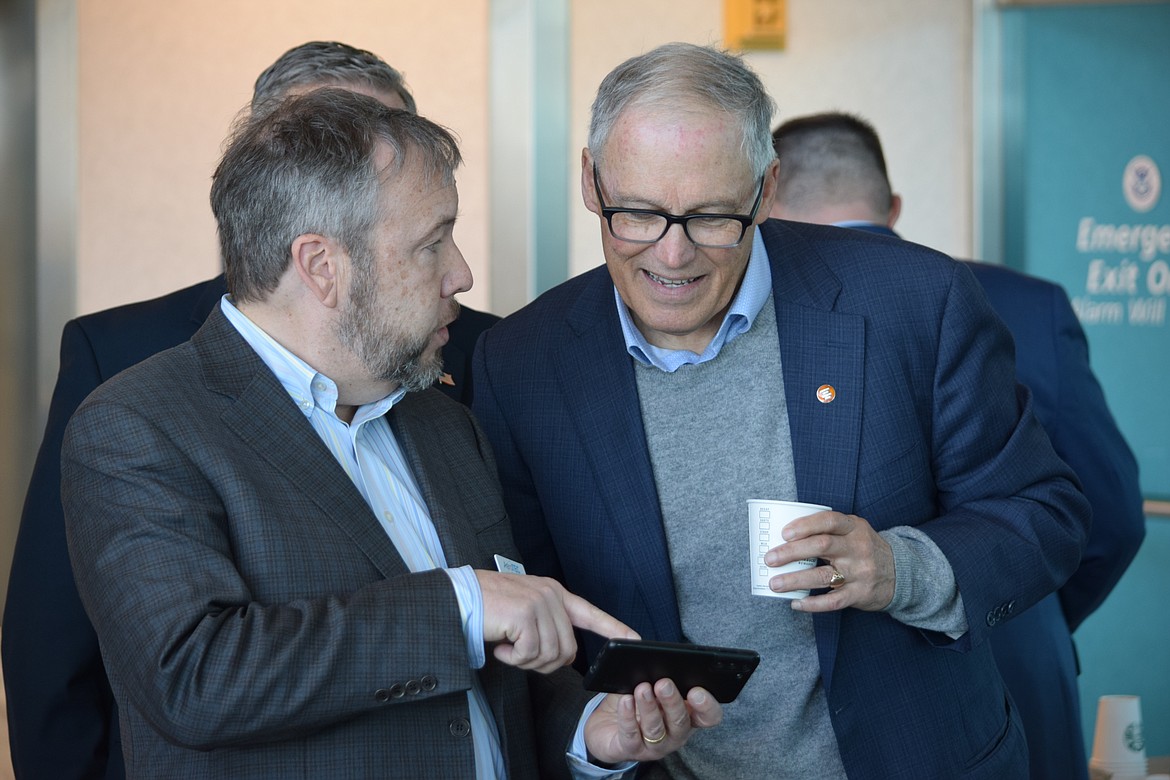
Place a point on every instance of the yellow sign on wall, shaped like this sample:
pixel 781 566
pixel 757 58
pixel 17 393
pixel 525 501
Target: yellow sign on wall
pixel 754 24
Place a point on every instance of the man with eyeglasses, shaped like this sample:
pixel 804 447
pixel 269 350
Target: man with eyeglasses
pixel 720 356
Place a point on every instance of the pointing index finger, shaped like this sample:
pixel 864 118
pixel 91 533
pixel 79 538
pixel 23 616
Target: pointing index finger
pixel 583 614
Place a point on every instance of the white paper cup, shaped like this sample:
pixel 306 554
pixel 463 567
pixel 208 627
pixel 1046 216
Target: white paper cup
pixel 766 519
pixel 1118 745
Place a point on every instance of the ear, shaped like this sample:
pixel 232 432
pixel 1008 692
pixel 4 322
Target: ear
pixel 771 181
pixel 895 210
pixel 588 191
pixel 317 262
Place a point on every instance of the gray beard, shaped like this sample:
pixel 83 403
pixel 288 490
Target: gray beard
pixel 393 357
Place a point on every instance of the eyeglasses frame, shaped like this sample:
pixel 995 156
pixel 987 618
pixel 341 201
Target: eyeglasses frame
pixel 608 212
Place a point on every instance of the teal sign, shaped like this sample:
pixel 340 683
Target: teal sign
pixel 1086 158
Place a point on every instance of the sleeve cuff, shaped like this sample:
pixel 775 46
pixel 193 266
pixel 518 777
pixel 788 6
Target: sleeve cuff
pixel 926 595
pixel 579 765
pixel 470 599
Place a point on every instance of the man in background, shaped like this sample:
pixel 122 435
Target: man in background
pixel 833 171
pixel 720 356
pixel 61 715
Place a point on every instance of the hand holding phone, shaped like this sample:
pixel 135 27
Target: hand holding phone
pixel 623 663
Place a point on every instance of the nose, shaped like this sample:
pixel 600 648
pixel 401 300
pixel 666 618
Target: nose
pixel 674 249
pixel 458 277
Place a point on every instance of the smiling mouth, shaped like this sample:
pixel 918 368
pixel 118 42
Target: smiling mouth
pixel 670 282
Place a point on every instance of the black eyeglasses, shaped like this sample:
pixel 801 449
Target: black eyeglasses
pixel 647 226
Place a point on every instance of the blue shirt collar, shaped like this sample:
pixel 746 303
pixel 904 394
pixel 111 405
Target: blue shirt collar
pixel 745 306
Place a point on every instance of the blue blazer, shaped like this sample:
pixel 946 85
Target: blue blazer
pixel 62 719
pixel 927 429
pixel 1052 359
pixel 1035 651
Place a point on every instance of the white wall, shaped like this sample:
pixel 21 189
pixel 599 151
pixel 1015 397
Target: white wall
pixel 159 85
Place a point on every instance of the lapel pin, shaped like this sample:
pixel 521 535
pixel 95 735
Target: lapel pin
pixel 445 379
pixel 826 394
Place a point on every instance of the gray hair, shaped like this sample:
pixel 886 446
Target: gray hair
pixel 327 63
pixel 830 158
pixel 309 166
pixel 682 72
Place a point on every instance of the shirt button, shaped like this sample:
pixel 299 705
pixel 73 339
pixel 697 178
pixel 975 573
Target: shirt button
pixel 429 682
pixel 413 688
pixel 460 727
pixel 382 694
pixel 397 690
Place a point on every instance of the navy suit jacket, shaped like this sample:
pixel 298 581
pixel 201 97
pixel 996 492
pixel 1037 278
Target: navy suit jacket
pixel 1052 359
pixel 1034 651
pixel 928 429
pixel 62 718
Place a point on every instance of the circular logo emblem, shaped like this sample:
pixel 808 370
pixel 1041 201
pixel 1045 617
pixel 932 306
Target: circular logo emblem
pixel 1133 737
pixel 826 393
pixel 1142 183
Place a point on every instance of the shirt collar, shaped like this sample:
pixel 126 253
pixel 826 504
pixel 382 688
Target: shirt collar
pixel 745 306
pixel 856 223
pixel 309 388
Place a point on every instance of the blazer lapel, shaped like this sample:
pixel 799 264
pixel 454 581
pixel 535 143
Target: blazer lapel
pixel 822 352
pixel 456 514
pixel 820 349
pixel 601 397
pixel 266 419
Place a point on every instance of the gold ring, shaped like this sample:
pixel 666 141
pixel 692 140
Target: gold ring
pixel 837 580
pixel 649 741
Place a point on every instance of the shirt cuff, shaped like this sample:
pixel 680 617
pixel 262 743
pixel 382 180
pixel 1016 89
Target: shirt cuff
pixel 470 599
pixel 926 595
pixel 579 765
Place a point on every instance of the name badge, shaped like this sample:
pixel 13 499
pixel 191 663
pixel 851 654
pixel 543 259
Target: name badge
pixel 509 566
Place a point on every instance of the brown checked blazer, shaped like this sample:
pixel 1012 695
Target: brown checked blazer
pixel 254 618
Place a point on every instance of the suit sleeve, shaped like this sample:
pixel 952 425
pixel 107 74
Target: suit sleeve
pixel 197 655
pixel 1086 436
pixel 61 714
pixel 1006 500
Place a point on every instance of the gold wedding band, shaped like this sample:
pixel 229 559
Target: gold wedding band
pixel 837 580
pixel 649 741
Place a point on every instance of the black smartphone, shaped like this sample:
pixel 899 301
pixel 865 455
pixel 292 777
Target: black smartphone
pixel 623 663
